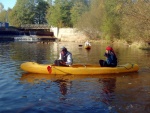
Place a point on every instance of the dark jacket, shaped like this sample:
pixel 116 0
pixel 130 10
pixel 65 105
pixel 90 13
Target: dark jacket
pixel 111 59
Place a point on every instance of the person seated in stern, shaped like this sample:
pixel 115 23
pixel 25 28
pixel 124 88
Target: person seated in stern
pixel 111 59
pixel 65 58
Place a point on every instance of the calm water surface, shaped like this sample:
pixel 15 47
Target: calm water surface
pixel 33 93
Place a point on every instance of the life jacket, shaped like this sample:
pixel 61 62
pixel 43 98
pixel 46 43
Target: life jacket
pixel 64 56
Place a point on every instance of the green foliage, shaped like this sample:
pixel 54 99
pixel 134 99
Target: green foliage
pixel 50 2
pixel 65 13
pixel 28 12
pixel 40 12
pixel 103 19
pixel 59 14
pixel 136 21
pixel 111 18
pixel 3 15
pixel 108 19
pixel 1 7
pixel 22 13
pixel 54 15
pixel 90 21
pixel 77 10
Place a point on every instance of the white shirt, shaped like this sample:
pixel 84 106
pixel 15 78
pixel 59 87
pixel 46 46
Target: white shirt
pixel 87 43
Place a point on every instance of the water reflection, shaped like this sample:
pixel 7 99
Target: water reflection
pixel 109 85
pixel 32 77
pixel 64 85
pixel 64 82
pixel 98 90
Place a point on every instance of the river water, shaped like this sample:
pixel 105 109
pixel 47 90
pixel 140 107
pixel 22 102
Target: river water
pixel 34 93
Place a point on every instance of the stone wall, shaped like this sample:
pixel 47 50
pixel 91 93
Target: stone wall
pixel 69 34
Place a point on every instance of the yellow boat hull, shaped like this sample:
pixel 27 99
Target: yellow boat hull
pixel 76 69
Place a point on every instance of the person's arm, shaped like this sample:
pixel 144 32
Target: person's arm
pixel 60 56
pixel 89 44
pixel 108 58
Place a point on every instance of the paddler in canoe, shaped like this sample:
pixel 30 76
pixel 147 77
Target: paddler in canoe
pixel 111 59
pixel 65 58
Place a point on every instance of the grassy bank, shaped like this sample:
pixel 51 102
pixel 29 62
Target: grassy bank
pixel 138 44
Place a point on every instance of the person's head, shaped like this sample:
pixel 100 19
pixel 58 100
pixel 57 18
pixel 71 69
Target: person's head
pixel 109 49
pixel 63 50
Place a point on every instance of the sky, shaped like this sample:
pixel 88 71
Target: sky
pixel 8 3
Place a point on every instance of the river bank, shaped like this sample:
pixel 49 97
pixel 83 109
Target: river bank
pixel 138 44
pixel 74 35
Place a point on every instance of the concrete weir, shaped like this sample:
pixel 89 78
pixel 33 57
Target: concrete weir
pixel 43 33
pixel 69 34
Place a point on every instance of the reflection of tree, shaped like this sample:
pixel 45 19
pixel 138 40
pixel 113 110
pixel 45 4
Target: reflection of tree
pixel 109 85
pixel 63 85
pixel 31 52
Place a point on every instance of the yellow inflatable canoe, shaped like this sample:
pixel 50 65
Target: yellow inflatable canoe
pixel 76 69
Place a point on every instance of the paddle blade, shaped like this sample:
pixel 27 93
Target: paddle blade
pixel 49 69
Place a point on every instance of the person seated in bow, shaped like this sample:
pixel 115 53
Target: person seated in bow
pixel 65 58
pixel 111 59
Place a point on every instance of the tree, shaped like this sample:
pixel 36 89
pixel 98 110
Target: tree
pixel 65 13
pixel 3 16
pixel 22 13
pixel 50 2
pixel 136 21
pixel 111 18
pixel 40 12
pixel 76 11
pixel 92 19
pixel 59 14
pixel 54 15
pixel 1 7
